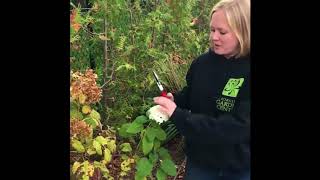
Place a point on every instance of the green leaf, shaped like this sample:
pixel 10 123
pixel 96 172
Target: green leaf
pixel 91 121
pixel 156 145
pixel 164 154
pixel 161 175
pixel 160 134
pixel 123 130
pixel 107 155
pixel 77 145
pixel 141 119
pixel 168 167
pixel 125 147
pixel 144 167
pixel 97 146
pixel 75 114
pixel 139 177
pixel 124 157
pixel 95 115
pixel 146 145
pixel 153 157
pixel 151 134
pixel 75 167
pixel 102 140
pixel 134 128
pixel 73 105
pixel 126 66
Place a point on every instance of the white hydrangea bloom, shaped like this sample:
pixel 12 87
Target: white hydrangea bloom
pixel 157 115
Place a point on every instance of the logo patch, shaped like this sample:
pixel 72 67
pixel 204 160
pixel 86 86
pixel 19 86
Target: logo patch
pixel 232 87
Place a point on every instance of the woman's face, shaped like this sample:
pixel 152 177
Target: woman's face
pixel 222 39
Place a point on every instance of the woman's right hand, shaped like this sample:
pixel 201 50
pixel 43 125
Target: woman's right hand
pixel 166 105
pixel 170 96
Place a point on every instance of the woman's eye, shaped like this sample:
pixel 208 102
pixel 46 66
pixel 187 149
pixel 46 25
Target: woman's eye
pixel 223 33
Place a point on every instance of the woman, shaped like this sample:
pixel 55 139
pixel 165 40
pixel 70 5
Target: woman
pixel 213 110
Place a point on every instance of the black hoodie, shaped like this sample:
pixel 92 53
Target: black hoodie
pixel 213 112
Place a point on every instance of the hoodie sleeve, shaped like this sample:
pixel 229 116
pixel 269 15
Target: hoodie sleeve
pixel 225 129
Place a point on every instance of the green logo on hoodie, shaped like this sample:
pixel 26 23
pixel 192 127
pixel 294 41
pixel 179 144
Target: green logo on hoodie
pixel 232 87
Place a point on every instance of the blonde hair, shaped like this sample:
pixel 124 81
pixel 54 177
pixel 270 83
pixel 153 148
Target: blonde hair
pixel 238 17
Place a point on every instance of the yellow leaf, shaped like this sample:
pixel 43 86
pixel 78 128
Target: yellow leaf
pixel 97 147
pixel 95 115
pixel 104 162
pixel 85 177
pixel 131 160
pixel 90 170
pixel 102 140
pixel 75 166
pixel 86 109
pixel 112 145
pixel 77 145
pixel 122 173
pixel 124 165
pixel 82 98
pixel 91 151
pixel 107 155
pixel 126 169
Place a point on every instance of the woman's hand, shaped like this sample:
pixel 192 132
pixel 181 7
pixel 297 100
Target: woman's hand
pixel 169 95
pixel 167 105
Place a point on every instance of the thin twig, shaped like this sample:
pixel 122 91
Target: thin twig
pixel 103 84
pixel 111 76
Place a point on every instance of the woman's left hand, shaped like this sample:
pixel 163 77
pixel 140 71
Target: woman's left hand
pixel 167 105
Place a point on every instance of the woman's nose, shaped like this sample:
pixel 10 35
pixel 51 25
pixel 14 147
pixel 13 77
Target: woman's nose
pixel 215 36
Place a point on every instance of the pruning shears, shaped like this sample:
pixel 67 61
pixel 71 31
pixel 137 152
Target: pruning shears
pixel 162 90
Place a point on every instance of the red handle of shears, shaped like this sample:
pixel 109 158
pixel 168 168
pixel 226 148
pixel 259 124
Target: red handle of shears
pixel 164 94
